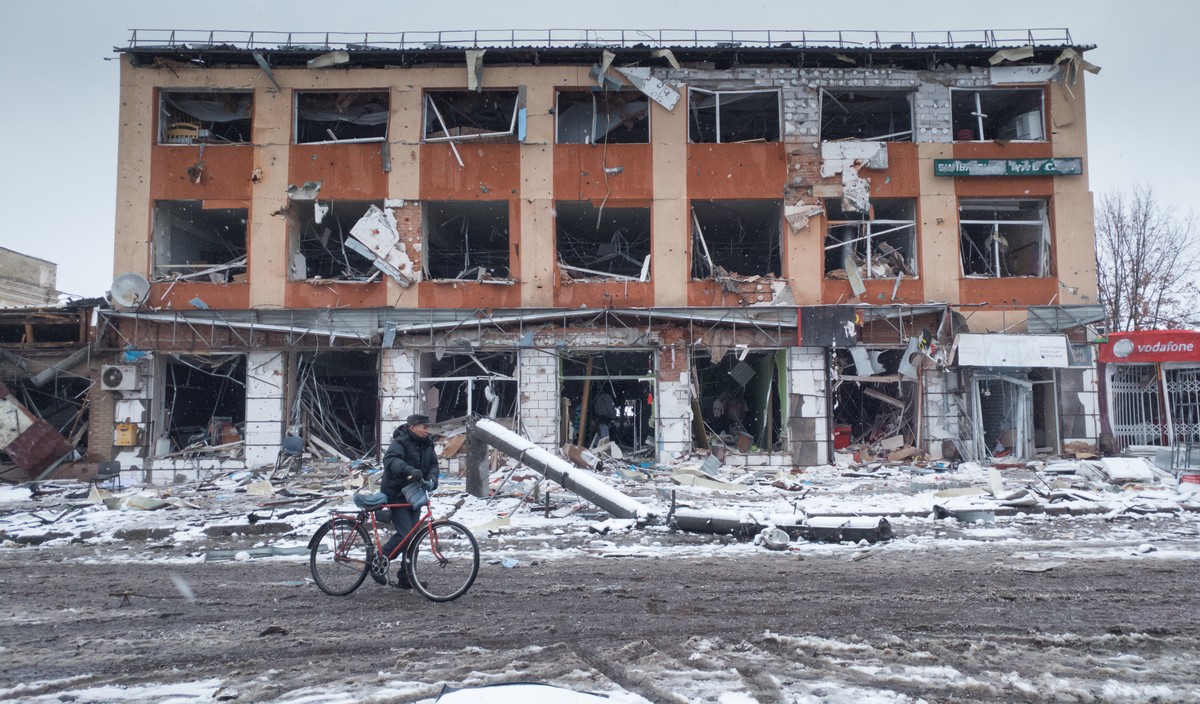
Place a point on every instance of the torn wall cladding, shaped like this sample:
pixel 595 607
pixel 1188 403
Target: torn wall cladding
pixel 1005 237
pixel 872 115
pixel 336 401
pixel 191 241
pixel 612 395
pixel 610 242
pixel 466 114
pixel 341 116
pixel 1000 113
pixel 879 244
pixel 469 383
pixel 736 237
pixel 466 240
pixel 743 398
pixel 730 116
pixel 203 402
pixel 204 117
pixel 602 117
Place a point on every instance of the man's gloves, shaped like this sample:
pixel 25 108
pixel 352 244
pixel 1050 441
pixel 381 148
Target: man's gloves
pixel 431 484
pixel 414 476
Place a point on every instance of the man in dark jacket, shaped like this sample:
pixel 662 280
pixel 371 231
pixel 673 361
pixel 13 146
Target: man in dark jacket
pixel 409 459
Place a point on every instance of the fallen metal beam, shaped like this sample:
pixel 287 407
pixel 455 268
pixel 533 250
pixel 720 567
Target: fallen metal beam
pixel 587 485
pixel 816 528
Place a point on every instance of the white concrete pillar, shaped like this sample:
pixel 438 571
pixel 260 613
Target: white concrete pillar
pixel 538 395
pixel 265 375
pixel 673 410
pixel 398 396
pixel 808 416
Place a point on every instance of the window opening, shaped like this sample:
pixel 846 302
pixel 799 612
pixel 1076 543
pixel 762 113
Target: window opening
pixel 742 399
pixel 736 237
pixel 322 247
pixel 195 242
pixel 1136 417
pixel 1002 238
pixel 466 114
pixel 609 243
pixel 204 117
pixel 871 115
pixel 879 244
pixel 618 390
pixel 460 385
pixel 723 117
pixel 466 240
pixel 603 117
pixel 1003 411
pixel 1003 113
pixel 349 116
pixel 337 400
pixel 870 396
pixel 204 403
pixel 1183 400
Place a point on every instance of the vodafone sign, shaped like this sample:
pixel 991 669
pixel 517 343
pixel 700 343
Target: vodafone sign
pixel 1151 346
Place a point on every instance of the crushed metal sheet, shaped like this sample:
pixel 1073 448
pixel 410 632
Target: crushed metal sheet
pixel 1014 54
pixel 333 58
pixel 376 230
pixel 654 89
pixel 669 56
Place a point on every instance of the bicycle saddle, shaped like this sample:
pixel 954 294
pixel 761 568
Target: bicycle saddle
pixel 370 502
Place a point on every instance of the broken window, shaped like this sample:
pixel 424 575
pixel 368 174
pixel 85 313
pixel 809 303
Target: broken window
pixel 612 243
pixel 999 113
pixel 879 244
pixel 612 393
pixel 337 400
pixel 461 385
pixel 603 117
pixel 466 240
pixel 872 115
pixel 1003 415
pixel 1005 237
pixel 341 116
pixel 455 115
pixel 192 241
pixel 322 245
pixel 204 117
pixel 743 397
pixel 204 401
pixel 728 116
pixel 739 237
pixel 871 397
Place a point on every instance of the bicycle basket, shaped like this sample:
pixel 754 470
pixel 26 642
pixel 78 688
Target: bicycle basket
pixel 383 515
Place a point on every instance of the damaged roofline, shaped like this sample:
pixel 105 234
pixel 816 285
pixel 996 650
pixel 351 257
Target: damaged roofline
pixel 178 316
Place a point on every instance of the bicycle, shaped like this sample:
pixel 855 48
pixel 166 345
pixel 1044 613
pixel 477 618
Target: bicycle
pixel 442 555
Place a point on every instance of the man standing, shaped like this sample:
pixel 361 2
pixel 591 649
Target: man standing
pixel 410 459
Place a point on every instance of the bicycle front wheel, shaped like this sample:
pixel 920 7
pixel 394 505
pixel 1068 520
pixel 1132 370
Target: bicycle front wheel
pixel 443 560
pixel 340 554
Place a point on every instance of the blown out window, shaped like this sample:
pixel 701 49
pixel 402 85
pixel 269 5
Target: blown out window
pixel 466 240
pixel 999 113
pixel 1001 238
pixel 456 115
pixel 354 116
pixel 192 241
pixel 612 243
pixel 733 116
pixel 199 117
pixel 874 115
pixel 874 245
pixel 738 237
pixel 595 117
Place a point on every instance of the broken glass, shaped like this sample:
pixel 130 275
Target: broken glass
pixel 871 115
pixel 736 237
pixel 613 242
pixel 199 243
pixel 204 117
pixel 724 117
pixel 603 117
pixel 998 113
pixel 1005 237
pixel 880 244
pixel 466 240
pixel 341 116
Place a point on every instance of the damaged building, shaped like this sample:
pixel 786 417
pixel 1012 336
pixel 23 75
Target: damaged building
pixel 766 249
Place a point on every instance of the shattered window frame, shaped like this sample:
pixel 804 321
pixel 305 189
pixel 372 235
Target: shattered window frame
pixel 865 121
pixel 166 236
pixel 488 263
pixel 355 110
pixel 233 368
pixel 623 243
pixel 986 249
pixel 627 131
pixel 870 229
pixel 707 240
pixel 444 118
pixel 200 116
pixel 701 132
pixel 998 114
pixel 358 264
pixel 630 375
pixel 480 385
pixel 737 376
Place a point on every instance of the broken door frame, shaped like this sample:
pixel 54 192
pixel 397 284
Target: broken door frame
pixel 1022 424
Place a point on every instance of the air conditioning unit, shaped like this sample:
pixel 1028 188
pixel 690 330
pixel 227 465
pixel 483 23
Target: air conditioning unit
pixel 120 377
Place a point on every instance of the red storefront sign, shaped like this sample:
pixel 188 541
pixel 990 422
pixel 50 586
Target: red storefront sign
pixel 1147 346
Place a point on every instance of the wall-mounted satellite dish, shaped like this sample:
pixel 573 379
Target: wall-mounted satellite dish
pixel 129 290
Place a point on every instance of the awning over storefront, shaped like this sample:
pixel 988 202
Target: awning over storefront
pixel 999 350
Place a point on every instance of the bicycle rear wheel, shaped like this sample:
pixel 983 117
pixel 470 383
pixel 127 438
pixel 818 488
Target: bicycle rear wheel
pixel 340 555
pixel 443 560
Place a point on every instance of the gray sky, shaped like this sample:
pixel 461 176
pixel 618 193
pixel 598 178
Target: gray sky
pixel 58 126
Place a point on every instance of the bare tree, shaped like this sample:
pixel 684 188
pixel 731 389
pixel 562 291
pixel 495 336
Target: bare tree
pixel 1145 262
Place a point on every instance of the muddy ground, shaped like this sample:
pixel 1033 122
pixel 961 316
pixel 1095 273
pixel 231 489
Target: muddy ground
pixel 984 623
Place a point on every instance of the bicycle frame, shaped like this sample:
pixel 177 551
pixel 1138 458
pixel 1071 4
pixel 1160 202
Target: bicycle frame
pixel 365 518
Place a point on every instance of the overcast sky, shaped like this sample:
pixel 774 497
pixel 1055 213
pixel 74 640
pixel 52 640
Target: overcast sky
pixel 58 123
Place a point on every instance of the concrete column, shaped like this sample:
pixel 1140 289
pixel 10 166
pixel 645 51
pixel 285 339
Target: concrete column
pixel 940 269
pixel 537 194
pixel 808 409
pixel 670 226
pixel 398 389
pixel 538 394
pixel 265 383
pixel 268 243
